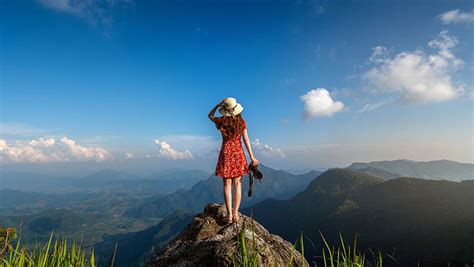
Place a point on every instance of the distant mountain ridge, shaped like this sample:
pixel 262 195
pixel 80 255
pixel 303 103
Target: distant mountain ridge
pixel 437 170
pixel 380 173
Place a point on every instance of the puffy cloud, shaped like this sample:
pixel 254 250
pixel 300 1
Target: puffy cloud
pixel 456 16
pixel 166 151
pixel 41 142
pixel 20 152
pixel 80 152
pixel 415 76
pixel 48 150
pixel 266 150
pixel 318 103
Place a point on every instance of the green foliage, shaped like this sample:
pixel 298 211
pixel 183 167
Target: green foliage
pixel 6 236
pixel 246 256
pixel 47 255
pixel 343 256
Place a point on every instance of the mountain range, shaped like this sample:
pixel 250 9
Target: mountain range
pixel 276 184
pixel 332 201
pixel 412 219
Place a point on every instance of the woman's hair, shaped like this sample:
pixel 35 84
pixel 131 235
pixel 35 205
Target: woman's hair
pixel 231 126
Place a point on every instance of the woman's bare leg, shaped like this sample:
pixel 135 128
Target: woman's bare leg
pixel 237 193
pixel 228 196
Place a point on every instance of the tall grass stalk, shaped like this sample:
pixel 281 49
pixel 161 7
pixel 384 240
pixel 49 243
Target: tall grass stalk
pixel 345 256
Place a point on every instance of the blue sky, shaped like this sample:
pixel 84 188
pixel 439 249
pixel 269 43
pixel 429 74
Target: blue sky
pixel 382 80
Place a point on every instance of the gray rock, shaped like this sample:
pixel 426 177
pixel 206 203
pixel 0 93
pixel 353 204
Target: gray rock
pixel 209 241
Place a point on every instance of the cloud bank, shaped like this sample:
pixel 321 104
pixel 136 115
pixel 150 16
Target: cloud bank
pixel 50 150
pixel 318 103
pixel 417 76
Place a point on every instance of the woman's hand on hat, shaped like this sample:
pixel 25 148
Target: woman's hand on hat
pixel 222 102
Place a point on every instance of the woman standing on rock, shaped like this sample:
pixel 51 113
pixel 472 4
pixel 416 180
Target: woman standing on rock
pixel 232 164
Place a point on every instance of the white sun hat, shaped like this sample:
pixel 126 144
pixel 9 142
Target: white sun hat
pixel 230 107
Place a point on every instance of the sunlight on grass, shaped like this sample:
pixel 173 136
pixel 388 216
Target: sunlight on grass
pixel 343 256
pixel 49 254
pixel 247 254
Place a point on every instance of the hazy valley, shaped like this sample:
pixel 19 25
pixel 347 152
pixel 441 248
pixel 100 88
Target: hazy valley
pixel 408 217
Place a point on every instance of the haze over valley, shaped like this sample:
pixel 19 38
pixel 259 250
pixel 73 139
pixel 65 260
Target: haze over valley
pixel 114 206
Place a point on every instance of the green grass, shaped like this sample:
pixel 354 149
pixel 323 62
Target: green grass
pixel 47 255
pixel 60 253
pixel 246 257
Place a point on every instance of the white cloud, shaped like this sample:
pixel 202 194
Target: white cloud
pixel 318 103
pixel 94 12
pixel 48 150
pixel 41 142
pixel 415 76
pixel 266 151
pixel 80 152
pixel 379 53
pixel 166 151
pixel 72 7
pixel 456 16
pixel 203 147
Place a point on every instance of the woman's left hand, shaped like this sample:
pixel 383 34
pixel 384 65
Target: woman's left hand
pixel 255 162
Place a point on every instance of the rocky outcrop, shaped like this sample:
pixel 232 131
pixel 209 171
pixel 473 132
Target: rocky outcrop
pixel 209 241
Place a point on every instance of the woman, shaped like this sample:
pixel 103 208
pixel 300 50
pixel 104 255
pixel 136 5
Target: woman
pixel 232 164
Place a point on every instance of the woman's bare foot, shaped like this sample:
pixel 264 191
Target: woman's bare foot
pixel 229 218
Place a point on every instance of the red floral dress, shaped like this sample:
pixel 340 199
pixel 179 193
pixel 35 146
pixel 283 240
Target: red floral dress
pixel 231 162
